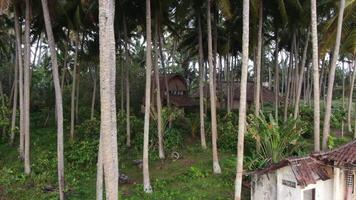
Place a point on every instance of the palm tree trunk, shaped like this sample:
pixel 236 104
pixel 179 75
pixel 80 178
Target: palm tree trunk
pixel 326 127
pixel 316 91
pixel 289 86
pixel 158 95
pixel 14 104
pixel 216 166
pixel 201 86
pixel 276 79
pixel 100 171
pixel 228 85
pixel 58 95
pixel 258 61
pixel 27 89
pixel 92 110
pixel 349 110
pixel 74 75
pixel 301 76
pixel 242 108
pixel 127 83
pixel 107 98
pixel 21 100
pixel 146 176
pixel 77 96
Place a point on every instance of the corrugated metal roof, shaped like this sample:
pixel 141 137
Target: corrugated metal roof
pixel 307 170
pixel 343 156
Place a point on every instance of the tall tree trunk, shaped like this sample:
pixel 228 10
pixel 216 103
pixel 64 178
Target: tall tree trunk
pixel 77 96
pixel 107 98
pixel 343 99
pixel 146 176
pixel 228 84
pixel 27 89
pixel 92 110
pixel 64 69
pixel 214 131
pixel 14 104
pixel 242 108
pixel 316 98
pixel 276 78
pixel 349 110
pixel 58 95
pixel 326 127
pixel 74 76
pixel 289 86
pixel 301 76
pixel 21 100
pixel 100 171
pixel 158 95
pixel 127 83
pixel 201 85
pixel 258 61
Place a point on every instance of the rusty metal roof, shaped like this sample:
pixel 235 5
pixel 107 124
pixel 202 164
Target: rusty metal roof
pixel 343 156
pixel 307 170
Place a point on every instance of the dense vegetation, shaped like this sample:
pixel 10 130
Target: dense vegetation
pixel 75 77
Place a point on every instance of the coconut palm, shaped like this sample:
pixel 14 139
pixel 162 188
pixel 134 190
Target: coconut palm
pixel 146 176
pixel 316 99
pixel 242 108
pixel 107 98
pixel 58 94
pixel 326 127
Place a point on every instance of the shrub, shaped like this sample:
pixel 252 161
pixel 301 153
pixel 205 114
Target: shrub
pixel 277 140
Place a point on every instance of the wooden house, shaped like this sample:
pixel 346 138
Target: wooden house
pixel 177 89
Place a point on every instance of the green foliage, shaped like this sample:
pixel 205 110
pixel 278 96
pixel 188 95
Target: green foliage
pixel 227 131
pixel 89 128
pixel 334 142
pixel 277 140
pixel 82 153
pixel 5 114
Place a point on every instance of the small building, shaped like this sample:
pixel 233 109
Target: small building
pixel 177 89
pixel 323 176
pixel 267 96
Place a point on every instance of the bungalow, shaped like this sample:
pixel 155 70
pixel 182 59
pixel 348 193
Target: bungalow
pixel 323 176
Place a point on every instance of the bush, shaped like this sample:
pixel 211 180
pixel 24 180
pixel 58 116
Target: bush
pixel 277 140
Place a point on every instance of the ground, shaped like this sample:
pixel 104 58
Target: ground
pixel 189 178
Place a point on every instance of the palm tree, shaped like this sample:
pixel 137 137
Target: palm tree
pixel 258 61
pixel 158 95
pixel 214 132
pixel 326 127
pixel 349 110
pixel 58 94
pixel 26 98
pixel 127 83
pixel 301 76
pixel 107 98
pixel 316 88
pixel 201 85
pixel 73 97
pixel 242 108
pixel 146 176
pixel 20 63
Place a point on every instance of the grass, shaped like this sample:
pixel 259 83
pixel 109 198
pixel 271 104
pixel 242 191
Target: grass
pixel 189 178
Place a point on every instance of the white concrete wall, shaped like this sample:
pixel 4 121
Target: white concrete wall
pixel 264 187
pixel 285 192
pixel 323 189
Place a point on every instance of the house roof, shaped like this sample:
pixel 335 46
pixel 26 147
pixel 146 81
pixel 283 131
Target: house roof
pixel 307 170
pixel 343 156
pixel 267 95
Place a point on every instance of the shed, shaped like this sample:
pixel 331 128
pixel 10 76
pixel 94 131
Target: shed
pixel 329 175
pixel 303 178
